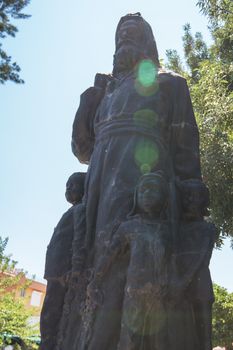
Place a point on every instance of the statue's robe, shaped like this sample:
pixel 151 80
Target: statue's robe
pixel 57 265
pixel 195 242
pixel 74 300
pixel 123 132
pixel 149 320
pixel 132 132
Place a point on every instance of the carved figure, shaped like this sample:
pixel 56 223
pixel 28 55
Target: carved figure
pixel 58 265
pixel 195 244
pixel 145 238
pixel 137 120
pixel 155 308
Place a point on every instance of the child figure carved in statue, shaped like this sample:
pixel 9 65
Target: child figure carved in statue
pixel 59 263
pixel 196 239
pixel 145 237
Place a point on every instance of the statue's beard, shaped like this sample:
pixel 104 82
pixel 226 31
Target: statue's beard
pixel 125 58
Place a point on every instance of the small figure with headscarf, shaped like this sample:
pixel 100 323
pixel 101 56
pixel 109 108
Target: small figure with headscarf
pixel 155 307
pixel 145 237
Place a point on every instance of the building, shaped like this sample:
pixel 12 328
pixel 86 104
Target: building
pixel 30 291
pixel 33 295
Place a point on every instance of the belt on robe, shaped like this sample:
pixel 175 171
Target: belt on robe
pixel 125 127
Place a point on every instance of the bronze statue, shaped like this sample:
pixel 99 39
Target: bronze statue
pixel 131 126
pixel 59 264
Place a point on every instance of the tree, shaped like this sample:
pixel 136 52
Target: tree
pixel 174 62
pixel 220 16
pixel 214 110
pixel 9 11
pixel 13 314
pixel 222 317
pixel 209 72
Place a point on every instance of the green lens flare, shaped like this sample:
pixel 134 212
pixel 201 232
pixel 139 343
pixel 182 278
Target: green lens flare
pixel 144 318
pixel 145 168
pixel 146 156
pixel 147 117
pixel 147 73
pixel 146 83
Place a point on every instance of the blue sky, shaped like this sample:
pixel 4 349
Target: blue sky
pixel 60 49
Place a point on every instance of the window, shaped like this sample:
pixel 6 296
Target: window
pixel 36 298
pixel 22 292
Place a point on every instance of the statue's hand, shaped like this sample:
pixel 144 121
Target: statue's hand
pixel 176 293
pixel 94 293
pixel 101 80
pixel 67 277
pixel 74 277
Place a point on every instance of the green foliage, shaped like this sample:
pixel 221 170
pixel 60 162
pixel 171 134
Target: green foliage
pixel 222 317
pixel 13 314
pixel 195 50
pixel 10 10
pixel 174 62
pixel 6 264
pixel 210 76
pixel 213 104
pixel 220 15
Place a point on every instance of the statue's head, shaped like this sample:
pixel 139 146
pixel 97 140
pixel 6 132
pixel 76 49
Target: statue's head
pixel 194 198
pixel 151 195
pixel 134 41
pixel 75 188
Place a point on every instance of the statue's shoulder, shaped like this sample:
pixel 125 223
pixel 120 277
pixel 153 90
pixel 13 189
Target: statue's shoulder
pixel 137 224
pixel 101 81
pixel 65 224
pixel 169 74
pixel 195 230
pixel 67 216
pixel 89 92
pixel 199 223
pixel 78 209
pixel 171 77
pixel 132 223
